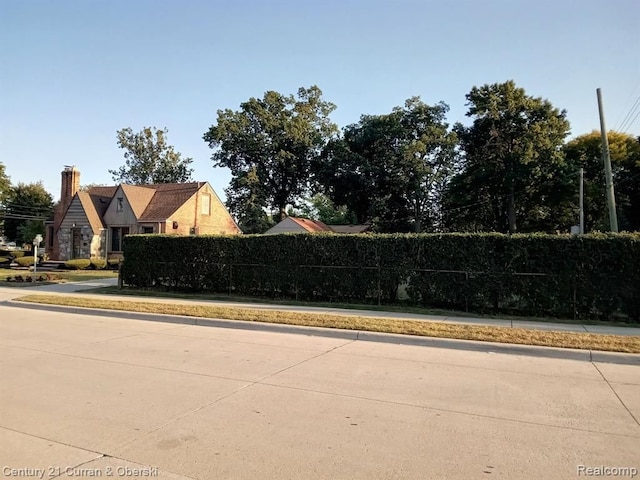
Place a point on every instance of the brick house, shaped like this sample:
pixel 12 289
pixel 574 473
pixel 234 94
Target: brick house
pixel 92 223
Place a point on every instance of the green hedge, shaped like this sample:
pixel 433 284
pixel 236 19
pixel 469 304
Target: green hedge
pixel 593 276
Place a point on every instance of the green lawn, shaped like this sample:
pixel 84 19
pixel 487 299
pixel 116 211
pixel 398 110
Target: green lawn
pixel 62 276
pixel 398 308
pixel 613 343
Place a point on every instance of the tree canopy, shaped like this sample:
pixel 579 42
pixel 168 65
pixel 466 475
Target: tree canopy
pixel 390 170
pixel 26 209
pixel 586 151
pixel 5 184
pixel 269 145
pixel 149 159
pixel 513 168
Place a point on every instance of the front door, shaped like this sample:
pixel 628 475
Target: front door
pixel 76 243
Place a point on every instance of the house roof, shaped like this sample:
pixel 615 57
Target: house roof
pixel 167 199
pixel 138 197
pixel 311 225
pixel 89 207
pixel 100 197
pixel 349 228
pixel 148 202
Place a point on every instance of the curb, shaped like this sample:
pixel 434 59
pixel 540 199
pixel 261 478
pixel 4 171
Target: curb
pixel 364 336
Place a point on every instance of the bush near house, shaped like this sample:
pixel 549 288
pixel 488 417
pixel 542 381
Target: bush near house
pixel 4 253
pixel 98 264
pixel 25 261
pixel 593 276
pixel 78 264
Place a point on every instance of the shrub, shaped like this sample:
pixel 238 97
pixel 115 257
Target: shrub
pixel 26 261
pixel 590 276
pixel 98 263
pixel 114 263
pixel 5 260
pixel 17 253
pixel 78 264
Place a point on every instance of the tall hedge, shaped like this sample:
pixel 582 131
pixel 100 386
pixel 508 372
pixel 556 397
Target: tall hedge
pixel 593 276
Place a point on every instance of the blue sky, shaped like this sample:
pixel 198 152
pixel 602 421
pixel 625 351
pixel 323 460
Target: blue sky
pixel 72 73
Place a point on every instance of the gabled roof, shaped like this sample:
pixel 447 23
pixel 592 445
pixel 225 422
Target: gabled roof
pixel 138 197
pixel 100 197
pixel 311 225
pixel 89 207
pixel 148 202
pixel 168 198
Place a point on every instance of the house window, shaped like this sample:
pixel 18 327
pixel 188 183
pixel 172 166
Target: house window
pixel 206 204
pixel 50 237
pixel 117 234
pixel 119 204
pixel 147 229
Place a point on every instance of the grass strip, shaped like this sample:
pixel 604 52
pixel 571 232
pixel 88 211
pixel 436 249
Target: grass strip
pixel 588 341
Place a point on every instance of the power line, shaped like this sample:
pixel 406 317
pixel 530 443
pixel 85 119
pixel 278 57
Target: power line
pixel 625 122
pixel 631 122
pixel 633 91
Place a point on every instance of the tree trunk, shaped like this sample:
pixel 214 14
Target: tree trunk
pixel 511 209
pixel 283 212
pixel 418 219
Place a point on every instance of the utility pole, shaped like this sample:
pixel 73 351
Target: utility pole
pixel 581 201
pixel 611 199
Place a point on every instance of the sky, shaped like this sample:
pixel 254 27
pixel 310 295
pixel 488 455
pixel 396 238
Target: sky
pixel 72 73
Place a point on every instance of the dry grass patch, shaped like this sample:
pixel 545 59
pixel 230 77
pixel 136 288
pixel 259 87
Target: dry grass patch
pixel 587 341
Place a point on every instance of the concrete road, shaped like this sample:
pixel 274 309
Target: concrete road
pixel 89 396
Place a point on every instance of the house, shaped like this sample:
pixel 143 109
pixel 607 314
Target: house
pixel 304 225
pixel 93 223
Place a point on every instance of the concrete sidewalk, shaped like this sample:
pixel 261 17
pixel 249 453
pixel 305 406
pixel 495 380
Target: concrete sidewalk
pixel 7 293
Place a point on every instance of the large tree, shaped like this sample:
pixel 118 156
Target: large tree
pixel 586 151
pixel 513 170
pixel 149 159
pixel 246 199
pixel 273 139
pixel 5 190
pixel 320 207
pixel 5 185
pixel 26 209
pixel 390 169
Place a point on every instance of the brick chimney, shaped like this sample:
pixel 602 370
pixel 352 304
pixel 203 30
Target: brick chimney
pixel 68 188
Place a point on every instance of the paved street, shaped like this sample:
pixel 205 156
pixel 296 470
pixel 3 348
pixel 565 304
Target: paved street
pixel 85 396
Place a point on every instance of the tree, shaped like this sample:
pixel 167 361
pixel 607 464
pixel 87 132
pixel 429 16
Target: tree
pixel 246 200
pixel 5 191
pixel 390 169
pixel 586 151
pixel 275 139
pixel 5 185
pixel 28 203
pixel 320 207
pixel 149 159
pixel 513 166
